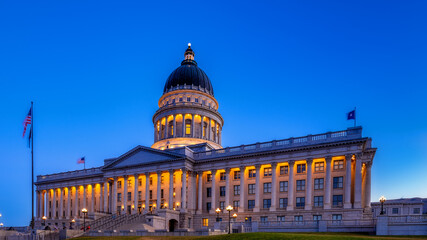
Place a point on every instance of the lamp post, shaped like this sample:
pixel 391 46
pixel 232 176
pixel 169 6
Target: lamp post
pixel 382 200
pixel 84 211
pixel 217 214
pixel 235 216
pixel 71 223
pixel 229 209
pixel 44 220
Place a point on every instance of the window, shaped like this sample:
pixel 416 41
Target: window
pixel 161 179
pixel 129 196
pixel 222 205
pixel 248 219
pixel 188 99
pixel 319 166
pixel 318 201
pixel 317 217
pixel 337 200
pixel 187 128
pixel 180 99
pixel 318 183
pixel 268 172
pixel 251 188
pixel 208 206
pixel 300 185
pixel 173 101
pixel 338 164
pixel 204 102
pixel 236 205
pixel 266 203
pixel 236 190
pixel 267 187
pixel 129 183
pixel 151 194
pixel 139 195
pixel 208 192
pixel 264 219
pixel 151 181
pixel 280 218
pixel 283 186
pixel 251 204
pixel 416 211
pixel 300 168
pixel 298 218
pixel 236 175
pixel 174 178
pixel 252 173
pixel 222 191
pixel 196 100
pixel 300 202
pixel 139 182
pixel 205 222
pixel 119 197
pixel 336 217
pixel 284 170
pixel 208 177
pixel 395 211
pixel 119 184
pixel 161 193
pixel 222 176
pixel 338 181
pixel 283 202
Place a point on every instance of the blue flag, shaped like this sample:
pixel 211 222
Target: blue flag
pixel 351 115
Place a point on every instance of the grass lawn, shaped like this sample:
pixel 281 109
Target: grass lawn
pixel 266 236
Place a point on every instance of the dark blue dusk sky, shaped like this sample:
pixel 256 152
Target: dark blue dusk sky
pixel 96 69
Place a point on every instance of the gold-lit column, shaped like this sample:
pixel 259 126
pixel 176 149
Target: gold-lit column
pixel 61 205
pixel 308 189
pixel 184 190
pixel 125 194
pixel 54 204
pixel 209 130
pixel 193 130
pixel 273 186
pixel 257 187
pixel 84 195
pixel 328 190
pixel 92 201
pixel 159 129
pixel 170 203
pixel 159 189
pixel 135 194
pixel 242 189
pixel 69 203
pixel 291 184
pixel 192 188
pixel 347 190
pixel 183 125
pixel 76 201
pixel 166 127
pixel 213 198
pixel 114 198
pixel 147 192
pixel 358 183
pixel 200 192
pixel 106 188
pixel 227 186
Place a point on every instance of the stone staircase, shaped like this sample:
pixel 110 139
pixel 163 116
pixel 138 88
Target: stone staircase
pixel 115 222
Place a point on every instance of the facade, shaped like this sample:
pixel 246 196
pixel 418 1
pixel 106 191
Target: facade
pixel 401 207
pixel 186 174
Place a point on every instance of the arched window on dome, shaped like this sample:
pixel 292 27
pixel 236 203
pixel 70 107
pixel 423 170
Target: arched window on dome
pixel 205 128
pixel 170 128
pixel 162 128
pixel 188 127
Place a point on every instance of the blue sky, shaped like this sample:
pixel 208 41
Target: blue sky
pixel 96 69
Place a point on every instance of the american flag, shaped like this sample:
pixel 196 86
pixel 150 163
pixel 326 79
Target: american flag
pixel 28 120
pixel 81 160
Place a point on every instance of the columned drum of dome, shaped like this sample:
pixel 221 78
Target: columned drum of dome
pixel 188 111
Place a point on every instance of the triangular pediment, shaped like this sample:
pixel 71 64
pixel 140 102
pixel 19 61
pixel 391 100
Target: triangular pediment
pixel 141 155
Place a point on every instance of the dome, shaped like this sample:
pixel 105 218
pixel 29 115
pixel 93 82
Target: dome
pixel 188 75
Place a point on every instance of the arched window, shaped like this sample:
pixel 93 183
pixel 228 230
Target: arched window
pixel 188 127
pixel 170 127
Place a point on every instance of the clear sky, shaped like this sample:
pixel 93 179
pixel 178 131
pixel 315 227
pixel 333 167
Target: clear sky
pixel 96 69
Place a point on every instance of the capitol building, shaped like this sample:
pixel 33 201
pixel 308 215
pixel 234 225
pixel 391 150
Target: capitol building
pixel 179 182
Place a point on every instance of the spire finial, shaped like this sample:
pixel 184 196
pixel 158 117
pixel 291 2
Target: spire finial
pixel 189 44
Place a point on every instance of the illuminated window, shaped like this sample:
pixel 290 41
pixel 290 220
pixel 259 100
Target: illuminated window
pixel 161 193
pixel 318 183
pixel 338 164
pixel 300 202
pixel 236 205
pixel 222 191
pixel 222 205
pixel 283 186
pixel 301 168
pixel 139 195
pixel 119 184
pixel 248 219
pixel 174 178
pixel 300 185
pixel 151 180
pixel 252 173
pixel 318 201
pixel 187 128
pixel 129 196
pixel 236 175
pixel 337 200
pixel 236 190
pixel 267 187
pixel 161 179
pixel 171 127
pixel 283 202
pixel 205 222
pixel 129 183
pixel 319 167
pixel 208 177
pixel 283 170
pixel 222 176
pixel 267 172
pixel 251 188
pixel 251 204
pixel 266 203
pixel 139 182
pixel 338 182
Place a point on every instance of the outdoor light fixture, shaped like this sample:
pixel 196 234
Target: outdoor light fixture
pixel 84 211
pixel 229 209
pixel 382 200
pixel 217 214
pixel 44 220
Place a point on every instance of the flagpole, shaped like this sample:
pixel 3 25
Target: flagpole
pixel 32 166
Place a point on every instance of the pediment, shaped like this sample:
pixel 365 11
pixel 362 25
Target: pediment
pixel 140 156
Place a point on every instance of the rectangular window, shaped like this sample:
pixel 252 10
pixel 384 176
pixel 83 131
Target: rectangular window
pixel 208 192
pixel 298 218
pixel 284 170
pixel 161 179
pixel 129 183
pixel 222 205
pixel 251 204
pixel 161 193
pixel 283 202
pixel 280 218
pixel 151 194
pixel 236 205
pixel 119 197
pixel 129 196
pixel 151 181
pixel 139 195
pixel 264 219
pixel 188 99
pixel 300 168
pixel 317 217
pixel 208 177
pixel 236 190
pixel 318 183
pixel 266 203
pixel 336 217
pixel 300 202
pixel 300 185
pixel 252 173
pixel 338 182
pixel 337 200
pixel 222 191
pixel 205 222
pixel 416 211
pixel 222 176
pixel 196 100
pixel 395 210
pixel 236 175
pixel 174 178
pixel 283 186
pixel 318 201
pixel 139 182
pixel 208 206
pixel 319 167
pixel 188 129
pixel 251 188
pixel 248 219
pixel 267 187
pixel 119 184
pixel 268 172
pixel 180 99
pixel 338 164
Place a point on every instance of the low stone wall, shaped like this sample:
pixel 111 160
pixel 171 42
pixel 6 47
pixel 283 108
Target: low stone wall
pixel 408 225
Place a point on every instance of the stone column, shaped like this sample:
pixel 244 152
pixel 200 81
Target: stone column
pixel 114 198
pixel 209 132
pixel 183 125
pixel 61 205
pixel 328 190
pixel 76 202
pixel 159 189
pixel 367 186
pixel 192 188
pixel 358 183
pixel 92 201
pixel 202 123
pixel 193 132
pixel 41 202
pixel 200 193
pixel 291 184
pixel 257 187
pixel 170 203
pixel 68 213
pixel 184 191
pixel 213 198
pixel 125 194
pixel 84 196
pixel 242 203
pixel 166 127
pixel 215 133
pixel 147 192
pixel 227 187
pixel 347 193
pixel 106 187
pixel 273 186
pixel 308 189
pixel 135 194
pixel 54 204
pixel 174 126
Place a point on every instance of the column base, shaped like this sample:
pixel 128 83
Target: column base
pixel 289 208
pixel 357 205
pixel 198 212
pixel 307 207
pixel 256 209
pixel 241 209
pixel 327 206
pixel 347 205
pixel 272 209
